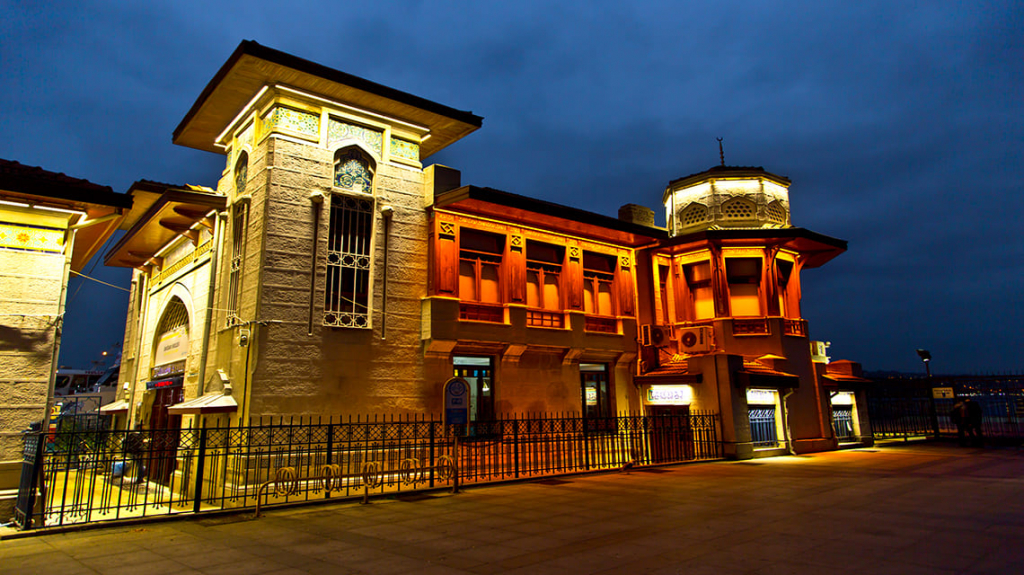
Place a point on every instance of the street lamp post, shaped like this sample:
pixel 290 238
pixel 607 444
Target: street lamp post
pixel 926 358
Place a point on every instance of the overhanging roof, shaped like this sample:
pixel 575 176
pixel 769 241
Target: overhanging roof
pixel 101 205
pixel 728 172
pixel 817 249
pixel 513 208
pixel 253 66
pixel 176 211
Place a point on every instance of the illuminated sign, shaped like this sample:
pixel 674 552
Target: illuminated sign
pixel 172 346
pixel 671 394
pixel 760 397
pixel 843 398
pixel 165 383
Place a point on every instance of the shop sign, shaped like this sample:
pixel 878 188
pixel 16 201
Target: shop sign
pixel 172 346
pixel 760 397
pixel 671 394
pixel 942 392
pixel 843 398
pixel 456 401
pixel 165 383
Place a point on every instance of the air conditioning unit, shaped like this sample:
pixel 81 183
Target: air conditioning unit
pixel 695 339
pixel 655 335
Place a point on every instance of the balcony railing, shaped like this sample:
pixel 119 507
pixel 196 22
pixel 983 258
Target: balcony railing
pixel 757 326
pixel 601 324
pixel 482 312
pixel 541 318
pixel 797 327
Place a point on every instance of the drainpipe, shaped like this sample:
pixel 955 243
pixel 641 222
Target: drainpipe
pixel 142 291
pixel 785 423
pixel 386 212
pixel 218 227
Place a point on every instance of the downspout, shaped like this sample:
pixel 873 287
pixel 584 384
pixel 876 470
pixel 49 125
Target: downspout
pixel 142 292
pixel 218 232
pixel 785 423
pixel 69 244
pixel 386 212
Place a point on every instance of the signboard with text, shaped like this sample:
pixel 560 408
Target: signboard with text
pixel 456 402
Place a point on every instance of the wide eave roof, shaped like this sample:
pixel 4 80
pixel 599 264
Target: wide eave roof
pixel 252 66
pixel 175 211
pixel 37 186
pixel 817 249
pixel 513 208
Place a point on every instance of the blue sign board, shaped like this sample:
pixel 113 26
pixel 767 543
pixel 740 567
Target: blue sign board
pixel 456 401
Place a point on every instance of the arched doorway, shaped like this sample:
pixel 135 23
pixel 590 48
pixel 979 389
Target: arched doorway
pixel 166 388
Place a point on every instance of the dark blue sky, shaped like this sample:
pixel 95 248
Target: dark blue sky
pixel 901 125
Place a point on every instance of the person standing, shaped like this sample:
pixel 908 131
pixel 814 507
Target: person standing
pixel 973 415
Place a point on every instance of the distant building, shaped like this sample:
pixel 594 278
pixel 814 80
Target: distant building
pixel 50 225
pixel 330 273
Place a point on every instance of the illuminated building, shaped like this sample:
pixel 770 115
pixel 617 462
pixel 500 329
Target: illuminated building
pixel 721 297
pixel 331 272
pixel 50 226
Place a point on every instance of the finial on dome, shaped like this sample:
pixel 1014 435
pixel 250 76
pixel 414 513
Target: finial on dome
pixel 721 151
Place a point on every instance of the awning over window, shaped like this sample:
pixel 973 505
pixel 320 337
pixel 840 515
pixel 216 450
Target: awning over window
pixel 119 406
pixel 218 402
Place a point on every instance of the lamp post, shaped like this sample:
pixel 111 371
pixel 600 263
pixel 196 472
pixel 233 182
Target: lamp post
pixel 926 358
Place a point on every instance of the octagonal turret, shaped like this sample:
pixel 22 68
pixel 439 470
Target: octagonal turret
pixel 727 197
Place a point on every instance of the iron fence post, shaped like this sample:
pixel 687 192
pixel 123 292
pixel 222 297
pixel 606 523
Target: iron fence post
pixel 200 465
pixel 515 446
pixel 431 451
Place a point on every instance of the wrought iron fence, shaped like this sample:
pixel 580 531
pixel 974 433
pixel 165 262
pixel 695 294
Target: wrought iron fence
pixel 905 407
pixel 104 475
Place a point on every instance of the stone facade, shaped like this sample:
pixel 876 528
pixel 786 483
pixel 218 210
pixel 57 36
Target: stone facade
pixel 50 225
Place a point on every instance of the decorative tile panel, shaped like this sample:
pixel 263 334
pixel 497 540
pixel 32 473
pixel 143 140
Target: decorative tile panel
pixel 405 150
pixel 31 238
pixel 338 131
pixel 287 118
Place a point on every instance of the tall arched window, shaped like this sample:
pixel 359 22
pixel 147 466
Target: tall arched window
pixel 353 171
pixel 171 346
pixel 349 239
pixel 241 172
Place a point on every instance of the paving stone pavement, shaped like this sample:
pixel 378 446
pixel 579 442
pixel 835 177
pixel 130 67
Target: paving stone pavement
pixel 906 509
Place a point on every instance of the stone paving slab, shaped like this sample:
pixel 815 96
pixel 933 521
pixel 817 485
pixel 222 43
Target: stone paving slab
pixel 907 509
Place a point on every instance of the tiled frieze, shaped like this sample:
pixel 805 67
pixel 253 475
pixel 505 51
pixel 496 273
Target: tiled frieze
pixel 294 120
pixel 405 150
pixel 338 131
pixel 31 238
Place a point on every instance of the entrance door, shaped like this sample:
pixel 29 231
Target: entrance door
pixel 597 409
pixel 671 434
pixel 166 429
pixel 479 374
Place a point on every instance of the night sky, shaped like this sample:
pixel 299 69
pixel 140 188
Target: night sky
pixel 901 125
